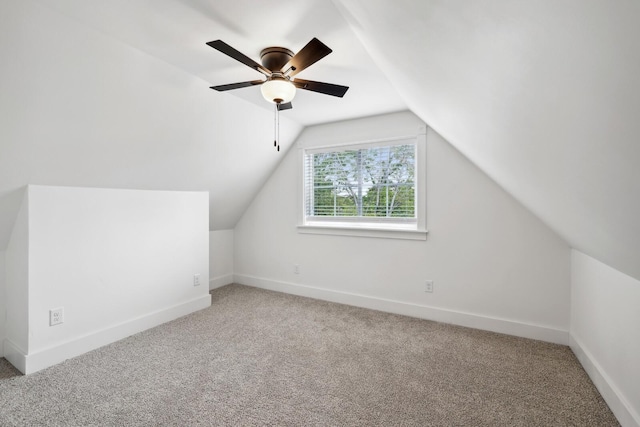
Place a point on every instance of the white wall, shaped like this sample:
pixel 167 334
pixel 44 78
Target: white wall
pixel 17 288
pixel 3 302
pixel 605 332
pixel 118 261
pixel 221 258
pixel 494 264
pixel 80 108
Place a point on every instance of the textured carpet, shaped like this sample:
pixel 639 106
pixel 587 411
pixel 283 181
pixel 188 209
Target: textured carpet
pixel 264 358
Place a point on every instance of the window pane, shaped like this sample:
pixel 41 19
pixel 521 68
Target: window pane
pixel 371 182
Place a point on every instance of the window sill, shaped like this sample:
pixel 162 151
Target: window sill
pixel 359 231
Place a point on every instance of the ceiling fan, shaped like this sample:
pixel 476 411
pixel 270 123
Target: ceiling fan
pixel 279 66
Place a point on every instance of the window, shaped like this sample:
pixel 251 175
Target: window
pixel 361 184
pixel 371 186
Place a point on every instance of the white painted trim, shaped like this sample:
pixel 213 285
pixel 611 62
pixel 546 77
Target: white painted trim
pixel 377 142
pixel 470 320
pixel 371 227
pixel 14 354
pixel 385 233
pixel 50 356
pixel 220 281
pixel 617 402
pixel 373 142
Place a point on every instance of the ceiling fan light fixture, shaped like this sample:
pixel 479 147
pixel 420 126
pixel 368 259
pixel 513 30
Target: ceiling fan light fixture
pixel 278 90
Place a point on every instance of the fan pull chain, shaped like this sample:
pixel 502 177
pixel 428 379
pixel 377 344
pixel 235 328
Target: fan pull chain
pixel 276 127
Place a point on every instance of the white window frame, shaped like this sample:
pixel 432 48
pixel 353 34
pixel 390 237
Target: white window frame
pixel 397 228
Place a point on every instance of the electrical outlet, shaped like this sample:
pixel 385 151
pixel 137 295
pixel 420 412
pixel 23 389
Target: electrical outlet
pixel 56 316
pixel 296 269
pixel 428 286
pixel 196 280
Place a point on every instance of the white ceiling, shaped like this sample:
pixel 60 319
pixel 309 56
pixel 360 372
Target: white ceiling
pixel 116 94
pixel 176 31
pixel 543 96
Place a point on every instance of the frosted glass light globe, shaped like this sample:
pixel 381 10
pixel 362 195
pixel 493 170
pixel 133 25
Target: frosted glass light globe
pixel 278 90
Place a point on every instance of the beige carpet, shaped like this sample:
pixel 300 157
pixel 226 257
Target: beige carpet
pixel 263 358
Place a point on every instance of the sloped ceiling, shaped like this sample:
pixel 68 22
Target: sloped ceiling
pixel 541 95
pixel 176 32
pixel 116 94
pixel 544 96
pixel 79 108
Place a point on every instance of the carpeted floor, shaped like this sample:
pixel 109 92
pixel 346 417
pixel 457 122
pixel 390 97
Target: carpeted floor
pixel 263 358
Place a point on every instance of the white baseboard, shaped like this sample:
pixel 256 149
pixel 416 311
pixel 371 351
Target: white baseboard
pixel 38 360
pixel 14 354
pixel 619 405
pixel 470 320
pixel 220 281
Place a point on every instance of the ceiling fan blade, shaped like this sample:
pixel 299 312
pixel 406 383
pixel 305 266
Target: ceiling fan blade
pixel 230 86
pixel 285 106
pixel 314 51
pixel 320 87
pixel 238 56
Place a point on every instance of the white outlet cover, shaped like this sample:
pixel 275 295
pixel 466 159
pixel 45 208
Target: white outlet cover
pixel 196 280
pixel 428 286
pixel 56 316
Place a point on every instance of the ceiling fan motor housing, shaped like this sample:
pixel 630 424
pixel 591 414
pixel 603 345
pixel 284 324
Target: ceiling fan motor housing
pixel 274 58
